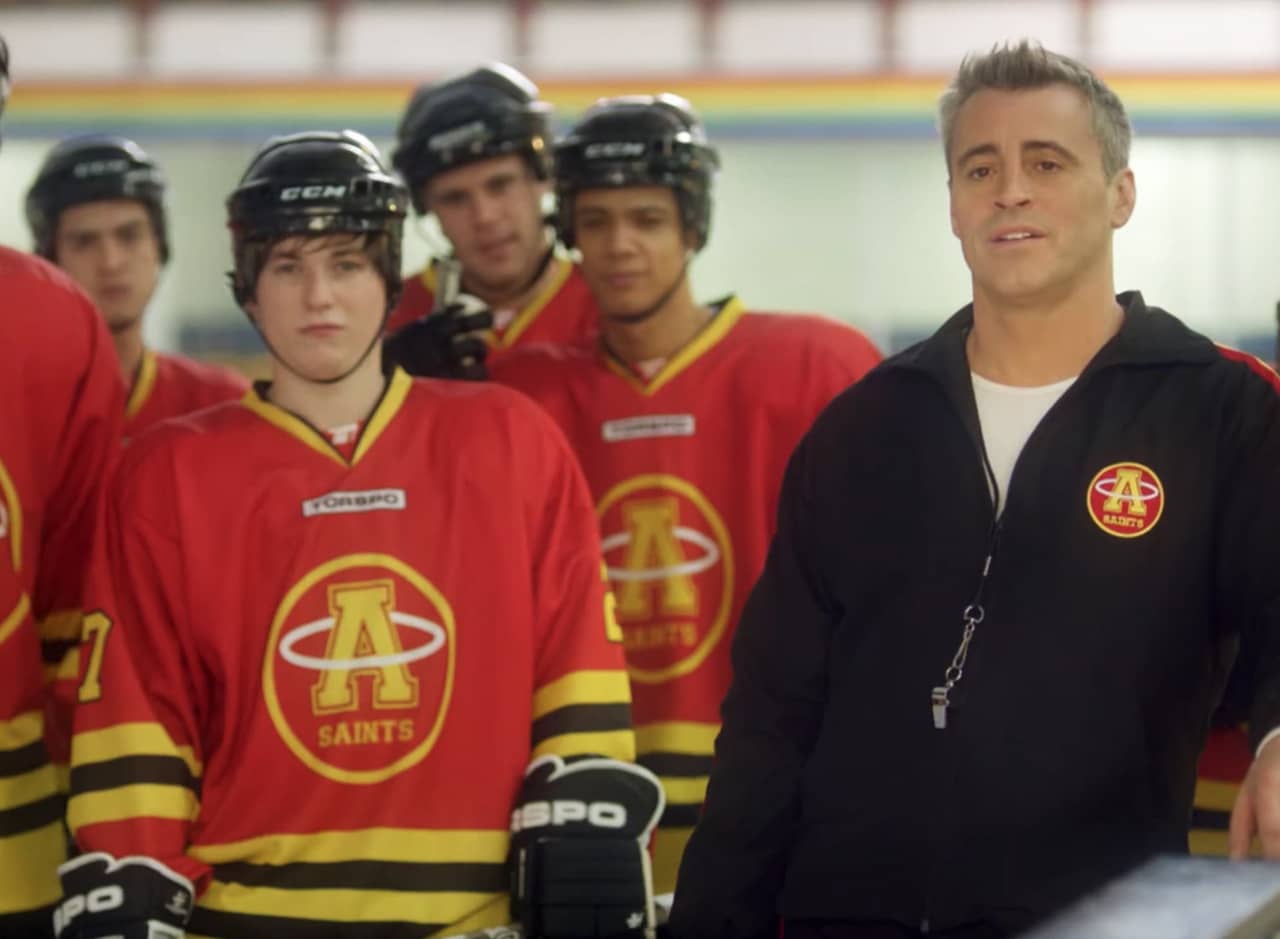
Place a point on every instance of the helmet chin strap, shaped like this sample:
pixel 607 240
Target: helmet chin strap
pixel 631 319
pixel 321 381
pixel 547 256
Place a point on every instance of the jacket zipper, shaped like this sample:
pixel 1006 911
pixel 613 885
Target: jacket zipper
pixel 973 614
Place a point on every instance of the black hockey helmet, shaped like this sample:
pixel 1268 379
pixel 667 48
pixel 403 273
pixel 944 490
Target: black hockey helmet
pixel 314 183
pixel 638 140
pixel 94 168
pixel 491 111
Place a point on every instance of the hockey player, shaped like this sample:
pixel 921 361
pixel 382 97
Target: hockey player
pixel 683 417
pixel 475 152
pixel 61 402
pixel 96 209
pixel 337 619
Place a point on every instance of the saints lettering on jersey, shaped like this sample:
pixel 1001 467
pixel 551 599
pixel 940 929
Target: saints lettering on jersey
pixel 359 668
pixel 670 561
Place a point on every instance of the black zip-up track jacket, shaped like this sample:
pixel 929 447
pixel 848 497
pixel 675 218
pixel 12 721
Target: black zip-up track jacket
pixel 1071 744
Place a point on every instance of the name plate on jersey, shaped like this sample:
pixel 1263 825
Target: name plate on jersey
pixel 651 425
pixel 365 500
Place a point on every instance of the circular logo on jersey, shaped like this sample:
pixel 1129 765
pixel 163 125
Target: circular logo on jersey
pixel 359 668
pixel 670 563
pixel 1125 499
pixel 14 603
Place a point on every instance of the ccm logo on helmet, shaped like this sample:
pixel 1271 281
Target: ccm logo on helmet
pixel 566 812
pixel 467 133
pixel 613 149
pixel 99 168
pixel 294 193
pixel 98 900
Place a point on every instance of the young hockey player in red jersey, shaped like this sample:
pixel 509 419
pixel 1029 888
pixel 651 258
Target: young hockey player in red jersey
pixel 475 151
pixel 683 417
pixel 337 619
pixel 61 401
pixel 96 209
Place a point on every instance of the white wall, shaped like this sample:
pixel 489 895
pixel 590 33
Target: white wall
pixel 855 229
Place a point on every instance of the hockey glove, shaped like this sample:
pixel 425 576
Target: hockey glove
pixel 444 344
pixel 579 840
pixel 129 898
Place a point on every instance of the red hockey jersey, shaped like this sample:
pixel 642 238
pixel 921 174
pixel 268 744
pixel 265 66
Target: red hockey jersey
pixel 313 684
pixel 61 401
pixel 563 312
pixel 685 468
pixel 171 385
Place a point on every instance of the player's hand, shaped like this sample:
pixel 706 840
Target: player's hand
pixel 1257 808
pixel 445 344
pixel 128 898
pixel 579 859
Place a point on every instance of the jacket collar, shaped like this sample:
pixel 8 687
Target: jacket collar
pixel 1147 336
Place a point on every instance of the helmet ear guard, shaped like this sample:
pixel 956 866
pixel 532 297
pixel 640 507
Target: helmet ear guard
pixel 312 184
pixel 638 140
pixel 488 112
pixel 94 168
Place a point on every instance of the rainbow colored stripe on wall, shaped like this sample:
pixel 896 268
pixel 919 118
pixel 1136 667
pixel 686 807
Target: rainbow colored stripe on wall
pixel 805 108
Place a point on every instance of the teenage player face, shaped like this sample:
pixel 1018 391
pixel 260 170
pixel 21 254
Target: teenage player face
pixel 491 212
pixel 1030 202
pixel 633 246
pixel 110 249
pixel 319 303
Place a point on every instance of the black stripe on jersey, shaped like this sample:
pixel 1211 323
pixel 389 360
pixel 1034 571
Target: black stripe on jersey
pixel 23 759
pixel 31 816
pixel 35 924
pixel 581 718
pixel 1210 819
pixel 53 651
pixel 368 875
pixel 677 764
pixel 132 770
pixel 243 926
pixel 680 816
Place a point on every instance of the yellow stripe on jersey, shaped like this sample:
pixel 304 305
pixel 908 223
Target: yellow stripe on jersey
pixel 345 906
pixel 296 427
pixel 30 862
pixel 497 912
pixel 15 617
pixel 10 493
pixel 710 335
pixel 524 319
pixel 141 738
pixel 584 687
pixel 61 626
pixel 677 737
pixel 1216 796
pixel 24 788
pixel 400 845
pixel 141 800
pixel 619 744
pixel 21 731
pixel 685 790
pixel 668 848
pixel 68 669
pixel 388 407
pixel 144 384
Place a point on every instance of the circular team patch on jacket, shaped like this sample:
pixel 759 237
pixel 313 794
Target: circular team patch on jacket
pixel 1125 499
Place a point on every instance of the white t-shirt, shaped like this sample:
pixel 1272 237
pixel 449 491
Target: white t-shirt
pixel 1008 414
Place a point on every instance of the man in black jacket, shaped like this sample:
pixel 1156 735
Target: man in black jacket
pixel 1013 566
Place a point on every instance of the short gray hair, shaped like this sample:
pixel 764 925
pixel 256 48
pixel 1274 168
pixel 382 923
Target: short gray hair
pixel 1029 65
